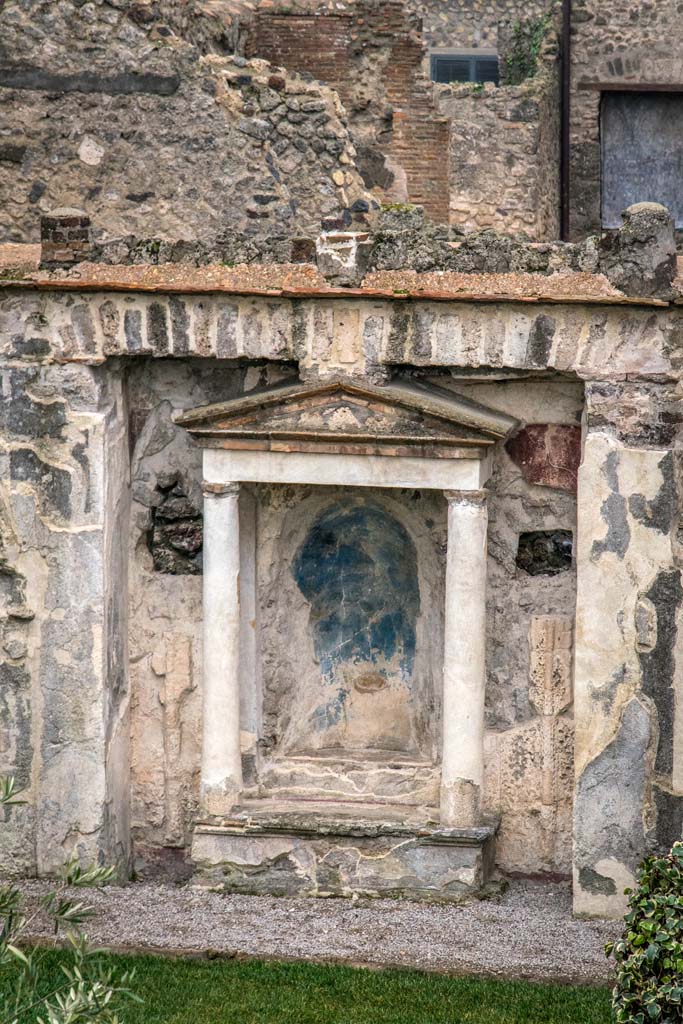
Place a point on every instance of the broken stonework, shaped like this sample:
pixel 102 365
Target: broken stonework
pixel 269 852
pixel 201 134
pixel 176 536
pixel 641 257
pixel 545 553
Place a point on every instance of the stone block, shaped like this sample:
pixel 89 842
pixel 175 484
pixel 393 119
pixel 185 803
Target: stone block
pixel 294 854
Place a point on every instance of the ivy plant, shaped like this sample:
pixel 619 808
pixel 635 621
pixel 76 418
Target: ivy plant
pixel 89 991
pixel 649 955
pixel 521 61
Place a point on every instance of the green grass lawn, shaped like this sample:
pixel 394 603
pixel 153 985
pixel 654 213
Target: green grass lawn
pixel 231 992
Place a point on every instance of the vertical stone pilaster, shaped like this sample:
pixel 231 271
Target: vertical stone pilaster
pixel 64 497
pixel 627 664
pixel 464 677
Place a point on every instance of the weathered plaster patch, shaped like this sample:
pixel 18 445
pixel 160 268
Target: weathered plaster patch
pixel 613 511
pixel 608 810
pixel 658 664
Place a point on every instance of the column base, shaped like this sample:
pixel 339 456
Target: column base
pixel 218 799
pixel 460 804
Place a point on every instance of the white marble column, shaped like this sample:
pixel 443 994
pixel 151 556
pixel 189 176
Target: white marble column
pixel 464 676
pixel 221 772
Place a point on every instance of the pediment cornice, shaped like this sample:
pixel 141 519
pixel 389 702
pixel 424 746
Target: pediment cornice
pixel 402 417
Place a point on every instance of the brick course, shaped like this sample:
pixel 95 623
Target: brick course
pixel 385 43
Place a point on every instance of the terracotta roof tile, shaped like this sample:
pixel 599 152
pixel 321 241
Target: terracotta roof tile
pixel 19 263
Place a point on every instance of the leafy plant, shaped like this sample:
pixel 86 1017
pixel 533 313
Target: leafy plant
pixel 649 955
pixel 525 45
pixel 89 991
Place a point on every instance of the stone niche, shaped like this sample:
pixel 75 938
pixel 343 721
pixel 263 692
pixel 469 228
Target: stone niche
pixel 344 635
pixel 350 611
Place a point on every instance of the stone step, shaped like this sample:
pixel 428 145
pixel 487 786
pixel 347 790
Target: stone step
pixel 317 849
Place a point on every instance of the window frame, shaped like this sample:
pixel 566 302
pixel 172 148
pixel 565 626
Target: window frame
pixel 471 55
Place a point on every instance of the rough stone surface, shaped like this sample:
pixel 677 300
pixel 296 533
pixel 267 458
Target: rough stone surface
pixel 65 703
pixel 261 854
pixel 176 532
pixel 545 553
pixel 641 258
pixel 602 346
pixel 195 145
pixel 373 55
pixel 504 150
pixel 626 657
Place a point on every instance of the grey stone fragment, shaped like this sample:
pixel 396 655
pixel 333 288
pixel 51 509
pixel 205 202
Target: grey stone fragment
pixel 180 323
pixel 255 127
pixel 157 328
pixel 658 661
pixel 613 511
pixel 124 83
pixel 640 258
pixel 132 326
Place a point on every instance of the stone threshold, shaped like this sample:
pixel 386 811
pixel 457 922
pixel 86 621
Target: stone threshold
pixel 312 818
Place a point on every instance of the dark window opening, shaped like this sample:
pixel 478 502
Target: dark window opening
pixel 642 152
pixel 454 67
pixel 545 552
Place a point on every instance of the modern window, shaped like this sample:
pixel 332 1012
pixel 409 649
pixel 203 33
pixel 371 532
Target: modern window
pixel 464 67
pixel 642 152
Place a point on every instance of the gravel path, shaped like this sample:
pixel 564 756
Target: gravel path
pixel 527 933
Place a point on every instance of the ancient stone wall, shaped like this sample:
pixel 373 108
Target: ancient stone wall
pixel 372 55
pixel 202 145
pixel 166 601
pixel 504 151
pixel 189 148
pixel 503 143
pixel 629 44
pixel 88 373
pixel 468 24
pixel 529 728
pixel 530 615
pixel 166 621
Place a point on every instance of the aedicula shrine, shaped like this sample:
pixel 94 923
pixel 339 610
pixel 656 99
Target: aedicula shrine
pixel 340 501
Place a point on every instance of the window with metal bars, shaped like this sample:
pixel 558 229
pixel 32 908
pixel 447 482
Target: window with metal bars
pixel 463 67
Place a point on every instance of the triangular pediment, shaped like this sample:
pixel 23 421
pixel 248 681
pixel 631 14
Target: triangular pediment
pixel 403 417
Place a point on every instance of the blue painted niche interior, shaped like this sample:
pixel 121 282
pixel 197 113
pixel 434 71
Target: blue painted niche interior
pixel 357 567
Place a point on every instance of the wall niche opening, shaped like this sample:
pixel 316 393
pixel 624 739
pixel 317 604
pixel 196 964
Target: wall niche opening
pixel 351 597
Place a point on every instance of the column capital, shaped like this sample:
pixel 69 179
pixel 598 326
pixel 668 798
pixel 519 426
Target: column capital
pixel 214 490
pixel 466 497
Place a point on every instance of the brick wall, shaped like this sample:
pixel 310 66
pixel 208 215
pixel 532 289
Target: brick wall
pixel 313 44
pixel 373 55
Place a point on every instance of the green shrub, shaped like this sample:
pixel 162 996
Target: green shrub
pixel 649 956
pixel 527 38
